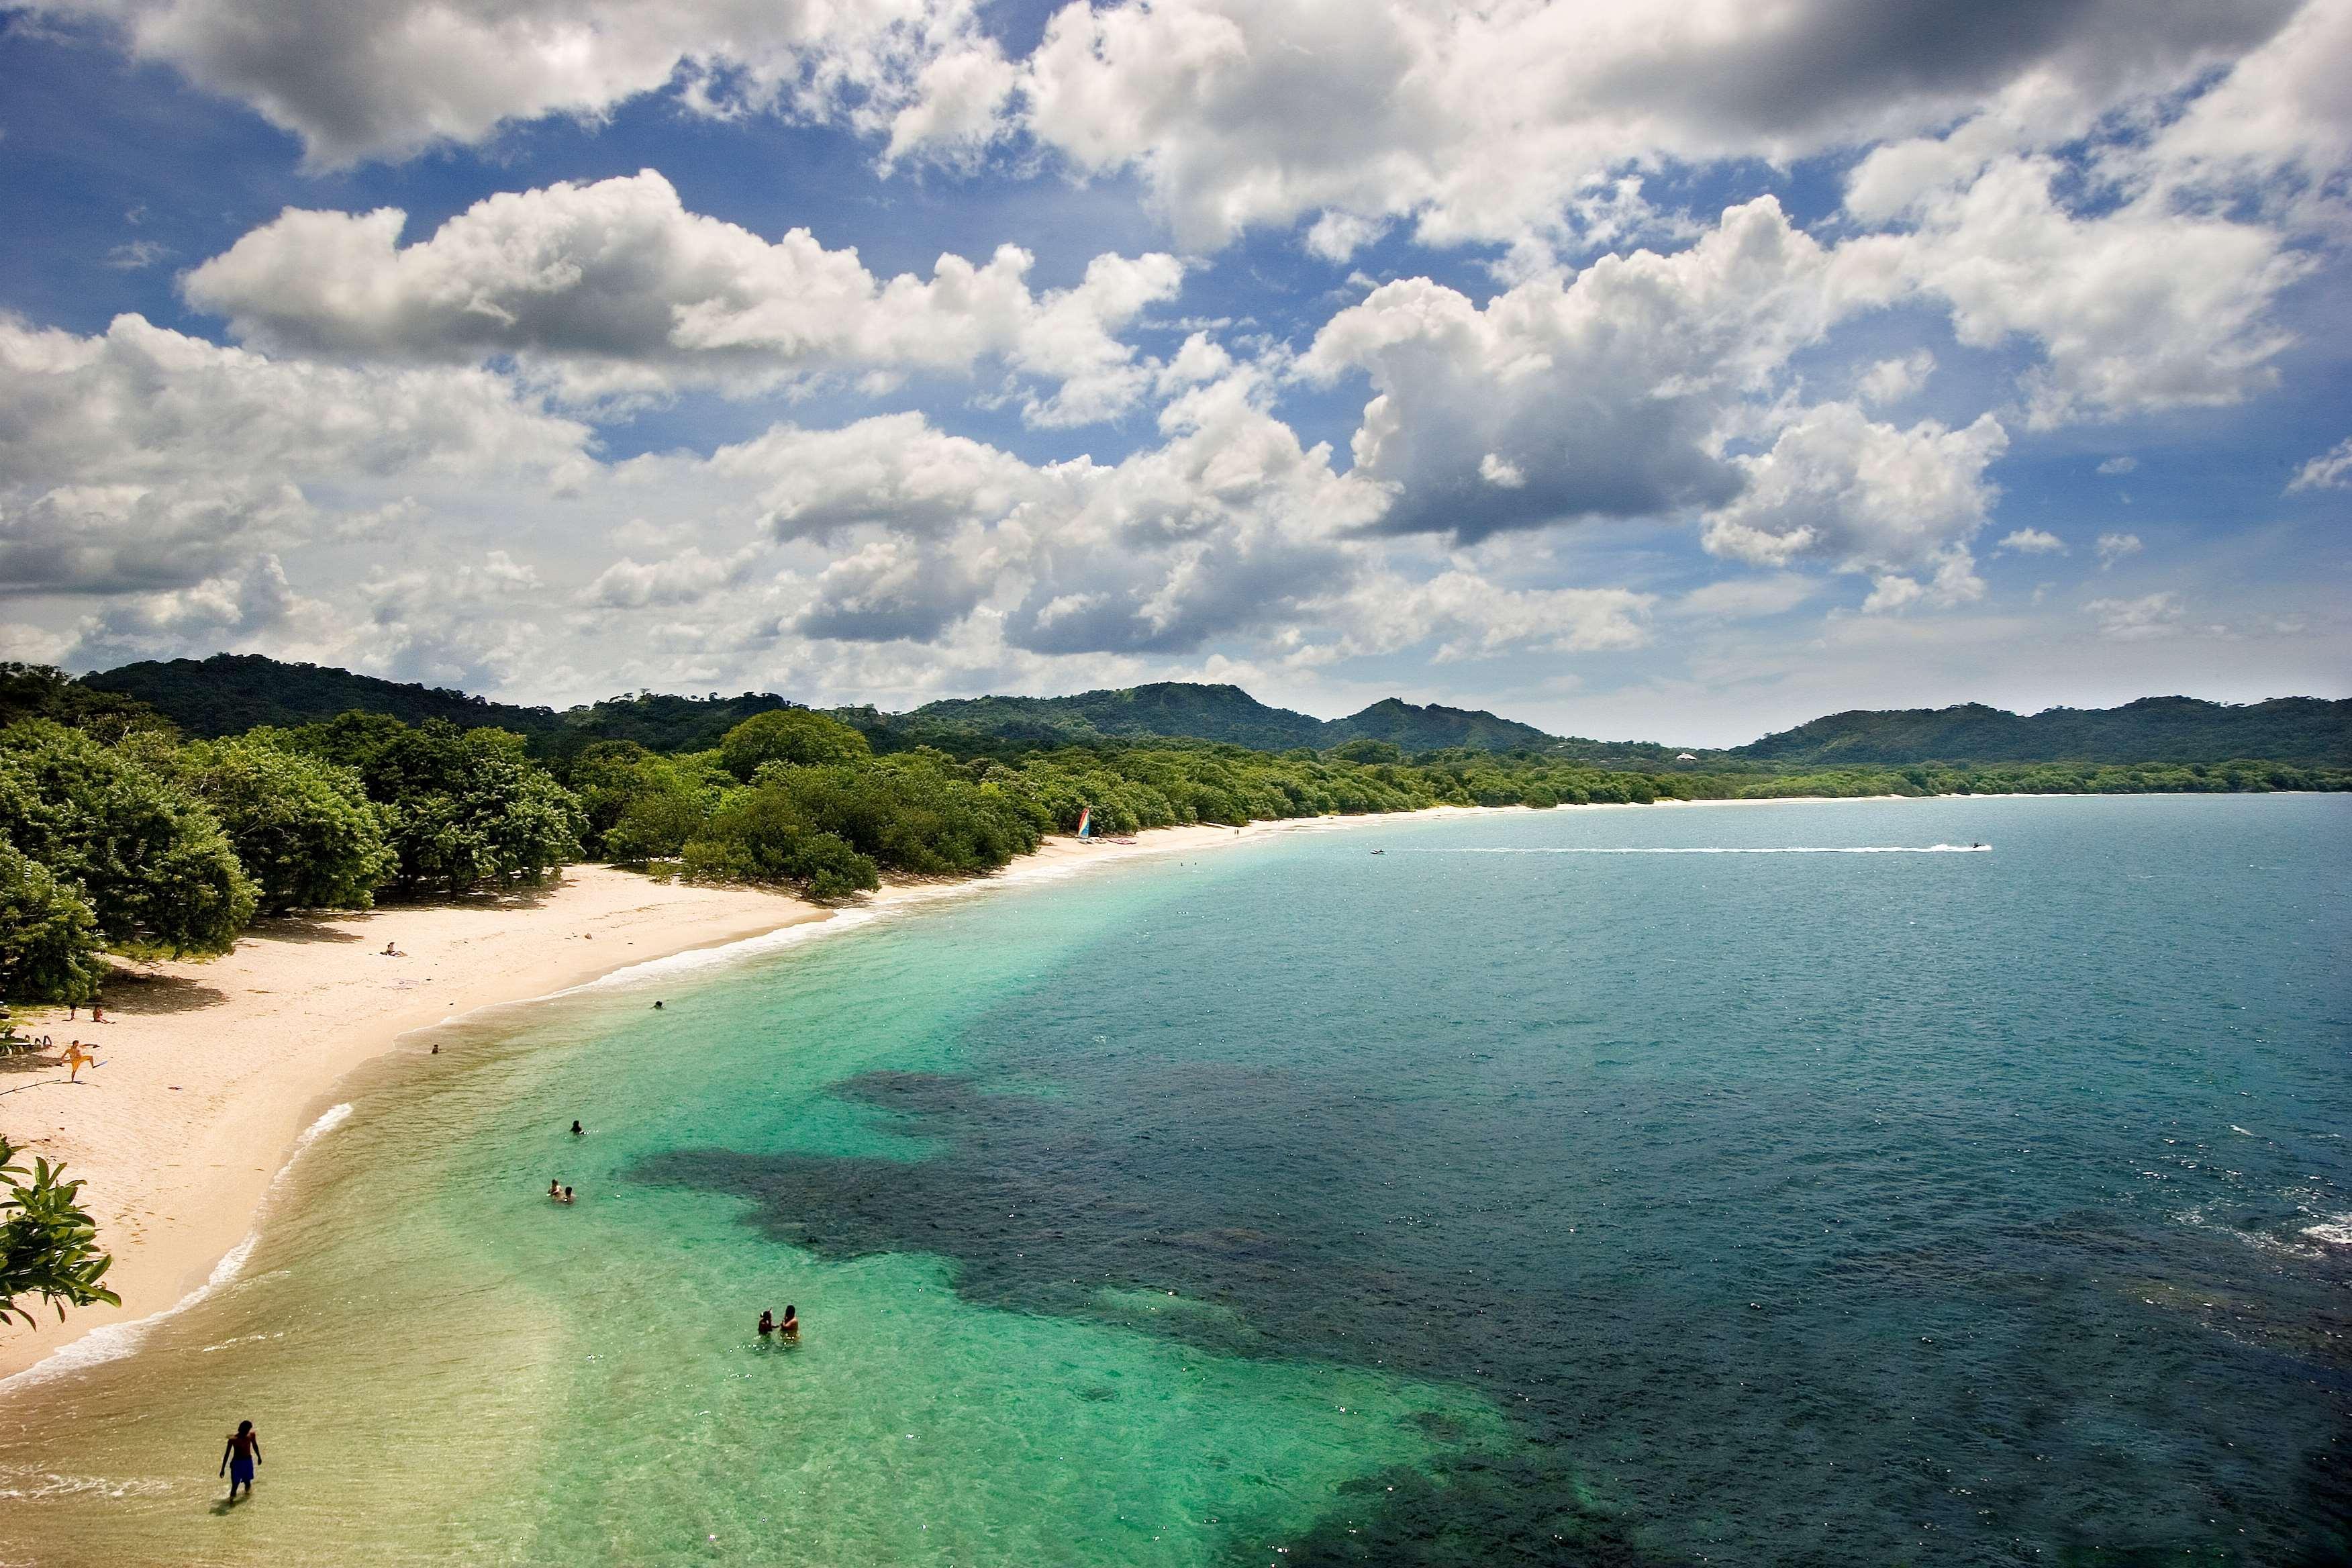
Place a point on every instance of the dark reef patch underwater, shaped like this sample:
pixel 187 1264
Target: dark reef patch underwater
pixel 1839 1210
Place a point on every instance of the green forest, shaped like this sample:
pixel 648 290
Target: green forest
pixel 121 832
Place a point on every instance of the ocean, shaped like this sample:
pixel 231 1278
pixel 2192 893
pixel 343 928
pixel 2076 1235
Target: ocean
pixel 1582 1186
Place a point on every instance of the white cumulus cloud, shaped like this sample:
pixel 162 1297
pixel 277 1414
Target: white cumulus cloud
pixel 2331 469
pixel 2113 547
pixel 615 287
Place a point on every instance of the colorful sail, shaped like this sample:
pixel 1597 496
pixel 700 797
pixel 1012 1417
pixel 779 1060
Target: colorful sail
pixel 1085 822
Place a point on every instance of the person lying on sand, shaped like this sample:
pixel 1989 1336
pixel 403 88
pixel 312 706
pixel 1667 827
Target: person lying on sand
pixel 392 950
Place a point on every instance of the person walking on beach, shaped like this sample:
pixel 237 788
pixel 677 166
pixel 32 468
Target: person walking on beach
pixel 238 1459
pixel 76 1059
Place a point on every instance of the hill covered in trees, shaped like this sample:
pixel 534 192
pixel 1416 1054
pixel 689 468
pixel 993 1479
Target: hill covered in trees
pixel 228 694
pixel 1434 729
pixel 2306 730
pixel 1224 714
pixel 1200 712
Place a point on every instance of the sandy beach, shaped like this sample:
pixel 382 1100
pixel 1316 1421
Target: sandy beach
pixel 212 1071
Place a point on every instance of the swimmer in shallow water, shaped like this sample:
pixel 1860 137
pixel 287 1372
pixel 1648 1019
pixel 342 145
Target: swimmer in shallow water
pixel 238 1459
pixel 767 1324
pixel 789 1329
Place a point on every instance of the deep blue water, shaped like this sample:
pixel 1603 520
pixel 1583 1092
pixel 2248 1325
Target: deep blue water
pixel 1807 1208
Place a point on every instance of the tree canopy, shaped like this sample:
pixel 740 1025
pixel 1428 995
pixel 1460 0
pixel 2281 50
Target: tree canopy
pixel 463 808
pixel 302 826
pixel 798 737
pixel 157 869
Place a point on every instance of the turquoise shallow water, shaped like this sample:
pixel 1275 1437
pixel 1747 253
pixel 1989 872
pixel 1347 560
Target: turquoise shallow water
pixel 1487 1200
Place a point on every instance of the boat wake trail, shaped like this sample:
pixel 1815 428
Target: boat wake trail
pixel 1717 849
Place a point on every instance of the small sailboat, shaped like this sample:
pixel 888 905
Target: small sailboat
pixel 1085 822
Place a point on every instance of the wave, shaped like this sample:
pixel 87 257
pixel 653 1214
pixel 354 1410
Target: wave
pixel 695 960
pixel 1714 850
pixel 2336 1232
pixel 110 1341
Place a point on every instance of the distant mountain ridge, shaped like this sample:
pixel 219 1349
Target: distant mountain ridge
pixel 2153 729
pixel 1227 714
pixel 229 693
pixel 1202 713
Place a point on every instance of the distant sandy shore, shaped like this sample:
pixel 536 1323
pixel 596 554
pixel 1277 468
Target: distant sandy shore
pixel 212 1071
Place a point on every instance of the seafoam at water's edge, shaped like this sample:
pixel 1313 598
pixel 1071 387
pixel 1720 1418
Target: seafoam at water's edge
pixel 109 1341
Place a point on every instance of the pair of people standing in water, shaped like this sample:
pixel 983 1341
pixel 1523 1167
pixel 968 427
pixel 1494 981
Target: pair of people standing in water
pixel 789 1329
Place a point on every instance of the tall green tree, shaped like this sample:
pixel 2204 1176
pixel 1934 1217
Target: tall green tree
pixel 157 869
pixel 793 736
pixel 51 949
pixel 48 1243
pixel 303 827
pixel 467 808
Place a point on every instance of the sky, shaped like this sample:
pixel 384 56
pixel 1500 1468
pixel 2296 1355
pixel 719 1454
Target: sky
pixel 1636 369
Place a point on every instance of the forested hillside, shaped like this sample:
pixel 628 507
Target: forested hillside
pixel 229 693
pixel 1200 712
pixel 2153 729
pixel 1433 728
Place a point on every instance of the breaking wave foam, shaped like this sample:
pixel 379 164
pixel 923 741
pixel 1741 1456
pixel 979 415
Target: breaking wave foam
pixel 110 1341
pixel 1714 849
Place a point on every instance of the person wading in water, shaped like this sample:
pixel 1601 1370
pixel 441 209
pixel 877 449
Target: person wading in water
pixel 238 1459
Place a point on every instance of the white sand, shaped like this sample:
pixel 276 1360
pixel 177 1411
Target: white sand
pixel 212 1069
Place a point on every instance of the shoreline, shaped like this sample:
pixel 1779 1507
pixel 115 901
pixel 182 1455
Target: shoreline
pixel 215 1075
